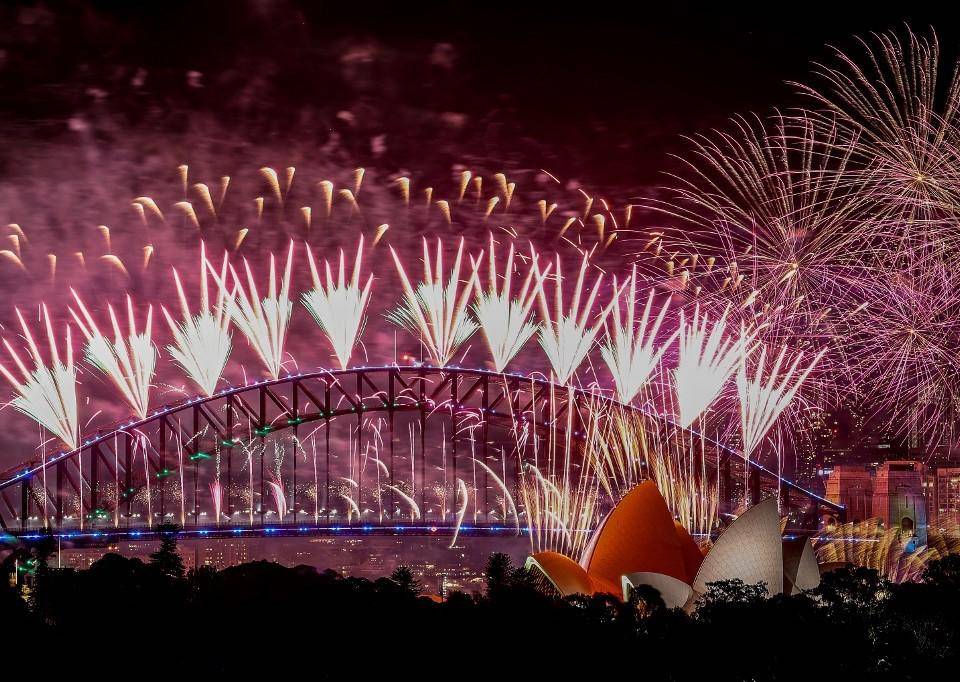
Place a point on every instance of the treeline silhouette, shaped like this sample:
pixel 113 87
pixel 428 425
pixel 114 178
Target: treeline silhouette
pixel 261 619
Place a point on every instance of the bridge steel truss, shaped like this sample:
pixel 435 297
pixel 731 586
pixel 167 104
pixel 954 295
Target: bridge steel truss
pixel 117 482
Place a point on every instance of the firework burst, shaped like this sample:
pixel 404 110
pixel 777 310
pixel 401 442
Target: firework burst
pixel 568 335
pixel 708 357
pixel 903 347
pixel 762 401
pixel 892 101
pixel 263 321
pixel 48 392
pixel 339 307
pixel 202 342
pixel 504 320
pixel 129 361
pixel 773 202
pixel 436 312
pixel 632 351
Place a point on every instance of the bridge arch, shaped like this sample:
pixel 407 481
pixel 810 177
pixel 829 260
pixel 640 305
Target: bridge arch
pixel 128 479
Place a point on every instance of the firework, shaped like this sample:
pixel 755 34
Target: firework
pixel 569 483
pixel 631 351
pixel 216 495
pixel 436 312
pixel 202 342
pixel 279 499
pixel 903 345
pixel 264 322
pixel 708 357
pixel 561 515
pixel 763 400
pixel 463 499
pixel 338 306
pixel 412 503
pixel 774 204
pixel 129 361
pixel 503 319
pixel 509 502
pixel 48 392
pixel 904 119
pixel 567 337
pixel 623 449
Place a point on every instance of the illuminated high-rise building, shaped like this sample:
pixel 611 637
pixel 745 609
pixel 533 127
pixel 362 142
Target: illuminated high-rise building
pixel 944 499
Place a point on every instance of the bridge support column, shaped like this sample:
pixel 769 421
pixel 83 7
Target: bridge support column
pixel 94 484
pixel 24 503
pixel 726 484
pixel 754 479
pixel 59 502
pixel 784 500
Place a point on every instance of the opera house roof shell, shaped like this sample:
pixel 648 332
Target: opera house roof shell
pixel 639 543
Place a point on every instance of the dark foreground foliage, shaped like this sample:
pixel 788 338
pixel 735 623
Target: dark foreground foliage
pixel 264 619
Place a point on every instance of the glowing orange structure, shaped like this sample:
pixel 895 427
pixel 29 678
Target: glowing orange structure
pixel 639 543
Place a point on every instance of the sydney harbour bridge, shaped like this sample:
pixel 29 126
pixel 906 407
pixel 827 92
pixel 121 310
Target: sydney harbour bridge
pixel 416 450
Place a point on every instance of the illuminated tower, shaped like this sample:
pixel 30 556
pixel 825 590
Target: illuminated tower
pixel 898 497
pixel 852 486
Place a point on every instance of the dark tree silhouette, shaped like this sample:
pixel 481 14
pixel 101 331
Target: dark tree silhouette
pixel 944 573
pixel 497 573
pixel 167 559
pixel 404 579
pixel 857 625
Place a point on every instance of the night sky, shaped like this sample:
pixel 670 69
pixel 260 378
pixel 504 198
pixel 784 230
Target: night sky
pixel 593 91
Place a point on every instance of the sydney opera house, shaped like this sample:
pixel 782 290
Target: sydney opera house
pixel 639 543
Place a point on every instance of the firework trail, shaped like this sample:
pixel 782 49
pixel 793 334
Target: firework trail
pixel 202 342
pixel 339 307
pixel 264 322
pixel 435 312
pixel 631 351
pixel 216 495
pixel 47 393
pixel 624 447
pixel 463 498
pixel 567 337
pixel 503 319
pixel 128 361
pixel 279 499
pixel 412 503
pixel 508 498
